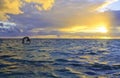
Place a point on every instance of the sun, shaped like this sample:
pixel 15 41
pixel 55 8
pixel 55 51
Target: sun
pixel 102 29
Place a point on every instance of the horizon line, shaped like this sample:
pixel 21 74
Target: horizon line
pixel 54 38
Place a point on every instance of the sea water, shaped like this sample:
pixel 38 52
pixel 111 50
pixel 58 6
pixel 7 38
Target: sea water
pixel 60 58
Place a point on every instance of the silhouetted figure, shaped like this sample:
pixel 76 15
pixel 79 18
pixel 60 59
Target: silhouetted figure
pixel 26 40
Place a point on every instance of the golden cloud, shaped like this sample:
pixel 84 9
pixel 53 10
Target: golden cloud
pixel 9 7
pixel 13 6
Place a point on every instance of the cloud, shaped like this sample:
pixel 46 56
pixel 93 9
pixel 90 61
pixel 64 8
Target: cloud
pixel 14 6
pixel 9 7
pixel 46 4
pixel 105 4
pixel 67 18
pixel 77 16
pixel 7 28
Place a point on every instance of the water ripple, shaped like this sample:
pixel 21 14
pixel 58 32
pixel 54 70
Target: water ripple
pixel 60 58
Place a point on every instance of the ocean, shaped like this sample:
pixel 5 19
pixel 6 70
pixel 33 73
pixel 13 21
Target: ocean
pixel 60 58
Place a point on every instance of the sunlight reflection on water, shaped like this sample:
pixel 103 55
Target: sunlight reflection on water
pixel 60 58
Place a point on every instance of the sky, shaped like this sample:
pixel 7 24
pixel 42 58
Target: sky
pixel 60 18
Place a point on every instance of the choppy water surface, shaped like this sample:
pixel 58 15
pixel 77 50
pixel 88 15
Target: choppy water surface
pixel 57 58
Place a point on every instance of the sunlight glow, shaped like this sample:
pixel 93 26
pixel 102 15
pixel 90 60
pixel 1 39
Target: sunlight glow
pixel 102 29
